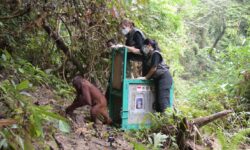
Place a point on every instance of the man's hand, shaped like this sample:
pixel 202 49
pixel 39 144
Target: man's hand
pixel 141 78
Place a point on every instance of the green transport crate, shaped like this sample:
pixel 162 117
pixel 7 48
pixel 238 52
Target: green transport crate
pixel 130 100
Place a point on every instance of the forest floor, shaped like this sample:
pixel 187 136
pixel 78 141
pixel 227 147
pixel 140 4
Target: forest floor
pixel 84 134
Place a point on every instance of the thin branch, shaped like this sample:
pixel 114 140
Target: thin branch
pixel 17 13
pixel 220 35
pixel 61 45
pixel 199 122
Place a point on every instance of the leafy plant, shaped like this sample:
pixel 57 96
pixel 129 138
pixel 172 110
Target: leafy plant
pixel 234 141
pixel 158 139
pixel 138 146
pixel 22 69
pixel 30 120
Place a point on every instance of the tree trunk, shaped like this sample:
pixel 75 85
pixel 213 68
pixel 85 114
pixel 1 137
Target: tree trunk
pixel 62 46
pixel 219 36
pixel 203 35
pixel 185 129
pixel 199 122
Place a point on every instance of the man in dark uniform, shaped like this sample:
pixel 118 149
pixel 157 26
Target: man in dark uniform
pixel 157 70
pixel 134 37
pixel 134 41
pixel 134 44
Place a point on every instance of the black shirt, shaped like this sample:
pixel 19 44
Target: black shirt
pixel 138 40
pixel 137 43
pixel 135 39
pixel 156 59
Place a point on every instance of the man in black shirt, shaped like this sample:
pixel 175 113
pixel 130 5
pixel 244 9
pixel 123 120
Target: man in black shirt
pixel 157 70
pixel 134 42
pixel 134 37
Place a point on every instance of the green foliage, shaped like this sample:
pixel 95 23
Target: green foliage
pixel 30 119
pixel 138 146
pixel 155 142
pixel 158 139
pixel 26 71
pixel 63 126
pixel 216 82
pixel 152 136
pixel 234 141
pixel 158 120
pixel 209 76
pixel 162 23
pixel 227 88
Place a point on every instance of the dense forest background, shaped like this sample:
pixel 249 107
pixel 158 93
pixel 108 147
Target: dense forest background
pixel 46 43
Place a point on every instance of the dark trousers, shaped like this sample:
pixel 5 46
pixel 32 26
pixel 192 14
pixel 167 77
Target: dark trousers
pixel 163 84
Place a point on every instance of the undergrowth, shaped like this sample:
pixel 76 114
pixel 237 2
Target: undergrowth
pixel 24 123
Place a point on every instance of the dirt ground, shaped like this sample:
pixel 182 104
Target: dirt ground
pixel 84 134
pixel 86 137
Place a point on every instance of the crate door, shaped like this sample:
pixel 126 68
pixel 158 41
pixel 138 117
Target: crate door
pixel 117 71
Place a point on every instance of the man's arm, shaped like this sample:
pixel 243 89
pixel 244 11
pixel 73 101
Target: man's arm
pixel 133 50
pixel 151 72
pixel 156 59
pixel 137 48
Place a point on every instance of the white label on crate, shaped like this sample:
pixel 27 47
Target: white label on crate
pixel 139 88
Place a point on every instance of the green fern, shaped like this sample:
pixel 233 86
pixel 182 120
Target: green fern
pixel 138 146
pixel 158 139
pixel 235 140
pixel 222 139
pixel 30 118
pixel 239 137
